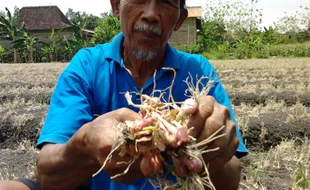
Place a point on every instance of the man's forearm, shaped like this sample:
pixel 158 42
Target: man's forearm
pixel 65 166
pixel 228 176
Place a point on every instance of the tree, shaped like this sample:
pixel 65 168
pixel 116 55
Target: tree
pixel 88 21
pixel 107 28
pixel 79 25
pixel 295 22
pixel 1 53
pixel 211 34
pixel 270 35
pixel 305 17
pixel 26 45
pixel 305 21
pixel 2 13
pixel 288 24
pixel 52 49
pixel 72 46
pixel 16 14
pixel 9 30
pixel 237 16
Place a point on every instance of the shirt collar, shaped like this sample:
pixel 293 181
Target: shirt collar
pixel 171 59
pixel 113 52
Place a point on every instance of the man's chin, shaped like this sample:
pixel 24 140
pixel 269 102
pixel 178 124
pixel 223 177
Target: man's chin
pixel 144 54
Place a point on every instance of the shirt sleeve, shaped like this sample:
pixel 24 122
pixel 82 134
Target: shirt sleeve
pixel 70 105
pixel 221 96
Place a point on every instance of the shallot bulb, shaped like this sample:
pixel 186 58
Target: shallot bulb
pixel 189 106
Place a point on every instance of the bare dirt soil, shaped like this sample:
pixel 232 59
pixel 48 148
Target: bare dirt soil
pixel 270 178
pixel 270 129
pixel 261 133
pixel 17 163
pixel 250 98
pixel 10 137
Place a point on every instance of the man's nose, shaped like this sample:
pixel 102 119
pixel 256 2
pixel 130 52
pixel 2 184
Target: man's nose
pixel 151 12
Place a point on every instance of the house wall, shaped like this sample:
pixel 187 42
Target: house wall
pixel 44 35
pixel 5 44
pixel 186 36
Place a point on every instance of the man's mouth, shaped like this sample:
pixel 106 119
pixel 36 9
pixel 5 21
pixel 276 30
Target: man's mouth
pixel 148 34
pixel 148 30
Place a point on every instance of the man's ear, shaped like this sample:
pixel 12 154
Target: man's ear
pixel 115 7
pixel 183 16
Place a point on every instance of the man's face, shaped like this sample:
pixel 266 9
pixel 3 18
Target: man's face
pixel 148 24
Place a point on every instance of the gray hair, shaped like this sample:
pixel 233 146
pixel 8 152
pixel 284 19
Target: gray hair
pixel 144 55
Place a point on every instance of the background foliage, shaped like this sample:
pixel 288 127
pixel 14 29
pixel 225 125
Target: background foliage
pixel 237 36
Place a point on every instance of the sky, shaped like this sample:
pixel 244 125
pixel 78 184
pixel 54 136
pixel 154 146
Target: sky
pixel 272 9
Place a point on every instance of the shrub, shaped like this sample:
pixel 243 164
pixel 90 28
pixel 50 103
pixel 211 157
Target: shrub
pixel 182 48
pixel 243 51
pixel 291 50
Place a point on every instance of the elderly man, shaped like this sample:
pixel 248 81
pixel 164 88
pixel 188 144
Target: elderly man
pixel 74 143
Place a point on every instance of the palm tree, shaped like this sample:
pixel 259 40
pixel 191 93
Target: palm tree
pixel 9 30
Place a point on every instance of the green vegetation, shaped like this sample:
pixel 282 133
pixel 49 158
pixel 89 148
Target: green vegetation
pixel 56 47
pixel 237 36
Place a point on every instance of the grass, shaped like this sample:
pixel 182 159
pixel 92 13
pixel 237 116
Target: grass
pixel 298 112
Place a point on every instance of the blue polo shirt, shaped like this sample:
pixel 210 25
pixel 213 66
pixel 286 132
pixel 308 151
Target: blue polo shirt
pixel 94 83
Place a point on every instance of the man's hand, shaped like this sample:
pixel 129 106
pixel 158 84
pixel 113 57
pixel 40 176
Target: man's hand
pixel 209 118
pixel 84 154
pixel 101 139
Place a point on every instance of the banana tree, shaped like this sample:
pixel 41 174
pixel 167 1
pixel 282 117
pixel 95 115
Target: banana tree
pixel 53 47
pixel 9 30
pixel 79 26
pixel 26 44
pixel 1 53
pixel 74 45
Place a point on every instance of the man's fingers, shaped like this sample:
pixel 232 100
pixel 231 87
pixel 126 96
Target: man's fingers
pixel 133 172
pixel 228 154
pixel 232 144
pixel 118 165
pixel 197 120
pixel 220 117
pixel 214 122
pixel 226 145
pixel 125 114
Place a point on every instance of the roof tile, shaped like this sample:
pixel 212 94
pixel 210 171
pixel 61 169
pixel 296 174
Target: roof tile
pixel 43 18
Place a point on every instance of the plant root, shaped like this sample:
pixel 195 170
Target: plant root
pixel 163 131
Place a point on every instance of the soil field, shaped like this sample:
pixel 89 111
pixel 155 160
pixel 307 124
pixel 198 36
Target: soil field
pixel 271 100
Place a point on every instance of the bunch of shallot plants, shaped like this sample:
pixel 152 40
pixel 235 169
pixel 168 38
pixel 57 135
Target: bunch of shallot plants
pixel 162 134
